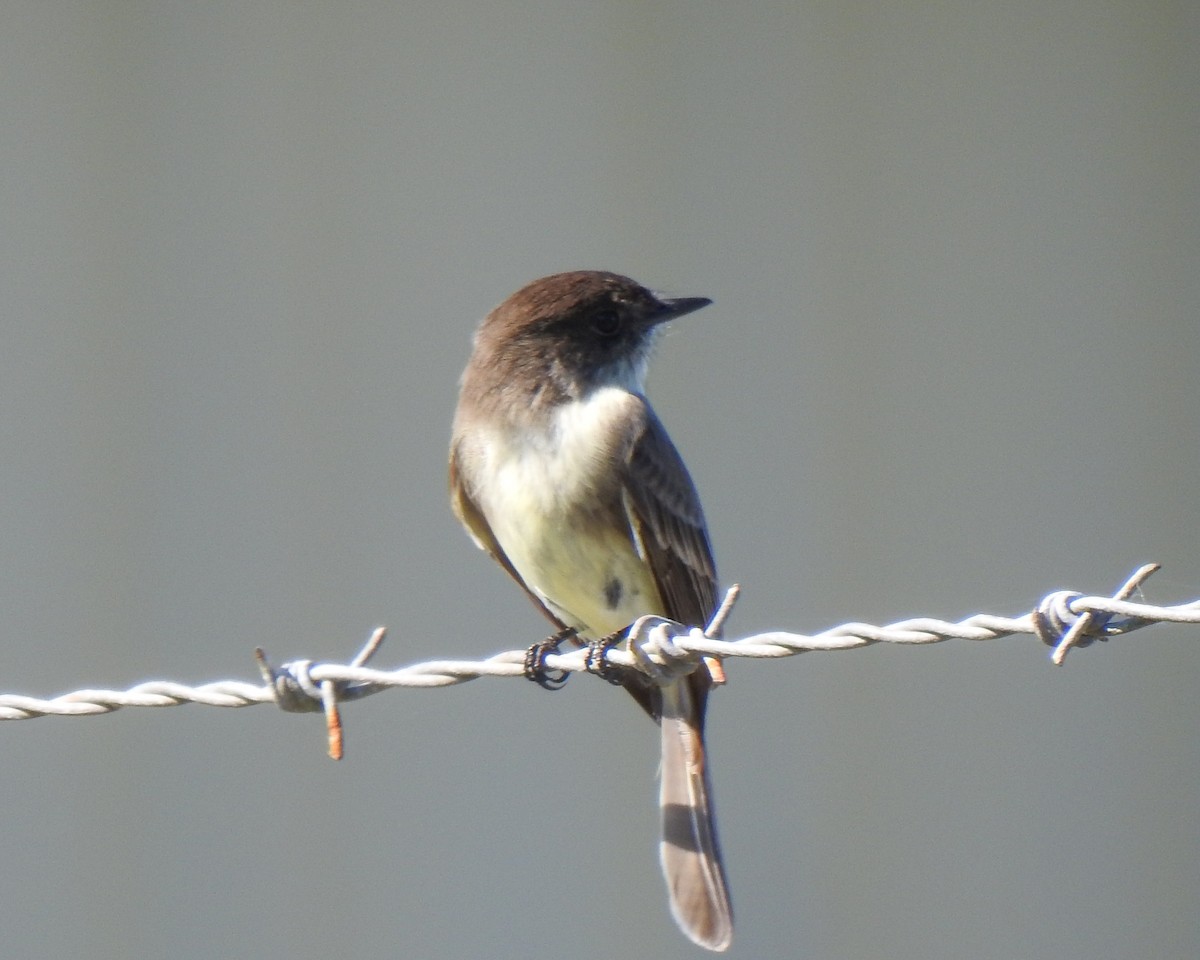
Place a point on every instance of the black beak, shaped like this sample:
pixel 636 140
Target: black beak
pixel 678 307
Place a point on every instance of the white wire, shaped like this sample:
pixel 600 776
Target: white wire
pixel 657 646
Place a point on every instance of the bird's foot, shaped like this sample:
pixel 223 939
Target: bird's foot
pixel 597 662
pixel 535 661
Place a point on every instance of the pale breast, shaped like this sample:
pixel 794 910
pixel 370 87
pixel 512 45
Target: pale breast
pixel 553 502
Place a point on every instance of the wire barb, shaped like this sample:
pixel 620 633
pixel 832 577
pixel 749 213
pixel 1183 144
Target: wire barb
pixel 296 691
pixel 1089 625
pixel 661 648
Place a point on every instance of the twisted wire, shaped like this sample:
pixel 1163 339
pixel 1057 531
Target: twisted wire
pixel 661 648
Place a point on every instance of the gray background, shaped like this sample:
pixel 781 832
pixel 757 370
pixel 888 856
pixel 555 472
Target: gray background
pixel 952 364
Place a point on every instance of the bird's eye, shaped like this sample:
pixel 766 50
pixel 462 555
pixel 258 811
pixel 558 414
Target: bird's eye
pixel 607 323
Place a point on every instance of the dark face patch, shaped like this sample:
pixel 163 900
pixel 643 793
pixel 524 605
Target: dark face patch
pixel 613 591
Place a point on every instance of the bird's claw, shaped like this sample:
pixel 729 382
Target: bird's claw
pixel 535 661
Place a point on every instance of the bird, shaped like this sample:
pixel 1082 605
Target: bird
pixel 562 472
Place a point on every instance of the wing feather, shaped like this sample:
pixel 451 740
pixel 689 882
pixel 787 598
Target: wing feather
pixel 669 523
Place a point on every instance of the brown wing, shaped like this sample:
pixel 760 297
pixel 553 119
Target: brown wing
pixel 669 521
pixel 671 526
pixel 470 516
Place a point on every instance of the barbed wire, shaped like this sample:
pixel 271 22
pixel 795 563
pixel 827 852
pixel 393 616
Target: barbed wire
pixel 658 647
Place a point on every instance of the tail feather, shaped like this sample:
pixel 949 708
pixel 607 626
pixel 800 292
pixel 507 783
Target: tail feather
pixel 691 857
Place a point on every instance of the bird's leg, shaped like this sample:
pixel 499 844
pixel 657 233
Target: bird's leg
pixel 535 661
pixel 596 661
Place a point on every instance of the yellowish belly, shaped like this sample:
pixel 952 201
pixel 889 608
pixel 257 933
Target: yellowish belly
pixel 591 577
pixel 545 503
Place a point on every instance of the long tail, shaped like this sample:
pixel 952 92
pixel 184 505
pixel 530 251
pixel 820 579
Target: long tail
pixel 691 857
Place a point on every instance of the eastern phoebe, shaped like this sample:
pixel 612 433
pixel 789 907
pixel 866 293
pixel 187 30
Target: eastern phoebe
pixel 561 471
